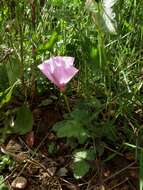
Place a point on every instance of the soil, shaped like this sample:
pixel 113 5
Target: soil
pixel 54 172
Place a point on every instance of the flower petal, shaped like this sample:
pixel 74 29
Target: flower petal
pixel 46 69
pixel 64 75
pixel 68 60
pixel 59 70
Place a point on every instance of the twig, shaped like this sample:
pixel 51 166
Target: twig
pixel 112 150
pixel 6 178
pixel 118 172
pixel 117 185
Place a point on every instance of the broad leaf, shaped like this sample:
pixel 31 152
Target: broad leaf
pixel 83 154
pixel 24 120
pixel 13 71
pixel 80 169
pixel 71 128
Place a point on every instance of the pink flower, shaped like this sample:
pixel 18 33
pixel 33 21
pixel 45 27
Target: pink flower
pixel 59 70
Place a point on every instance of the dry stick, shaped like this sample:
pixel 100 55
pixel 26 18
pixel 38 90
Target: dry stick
pixel 112 150
pixel 88 186
pixel 8 185
pixel 118 172
pixel 117 185
pixel 69 183
pixel 6 178
pixel 59 185
pixel 30 159
pixel 40 144
pixel 38 147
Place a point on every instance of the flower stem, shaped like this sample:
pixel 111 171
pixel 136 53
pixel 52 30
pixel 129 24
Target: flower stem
pixel 67 102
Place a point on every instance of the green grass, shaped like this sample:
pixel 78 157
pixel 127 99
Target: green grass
pixel 110 65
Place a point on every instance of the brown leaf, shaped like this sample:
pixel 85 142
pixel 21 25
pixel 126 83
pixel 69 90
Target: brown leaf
pixel 30 139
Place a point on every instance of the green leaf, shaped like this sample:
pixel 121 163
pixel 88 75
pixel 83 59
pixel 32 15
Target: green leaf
pixel 94 53
pixel 2 184
pixel 109 131
pixel 80 115
pixel 71 128
pixel 3 78
pixel 51 148
pixel 5 96
pixel 5 162
pixel 83 154
pixel 24 120
pixel 13 69
pixel 51 42
pixel 80 169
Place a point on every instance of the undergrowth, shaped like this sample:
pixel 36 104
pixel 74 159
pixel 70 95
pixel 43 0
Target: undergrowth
pixel 105 97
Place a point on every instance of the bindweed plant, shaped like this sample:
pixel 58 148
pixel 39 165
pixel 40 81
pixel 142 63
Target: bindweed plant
pixel 59 70
pixel 82 127
pixel 104 40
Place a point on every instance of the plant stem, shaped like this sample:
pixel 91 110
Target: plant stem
pixel 67 102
